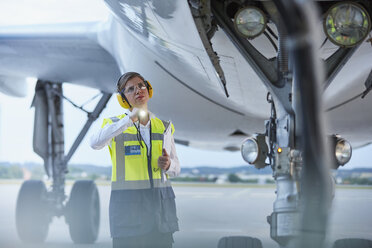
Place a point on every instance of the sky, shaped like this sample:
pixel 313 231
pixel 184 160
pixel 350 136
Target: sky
pixel 16 116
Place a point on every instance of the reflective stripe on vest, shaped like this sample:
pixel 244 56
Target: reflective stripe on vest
pixel 111 149
pixel 130 160
pixel 144 184
pixel 114 119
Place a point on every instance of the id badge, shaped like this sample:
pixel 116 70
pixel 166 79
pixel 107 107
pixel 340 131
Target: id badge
pixel 132 150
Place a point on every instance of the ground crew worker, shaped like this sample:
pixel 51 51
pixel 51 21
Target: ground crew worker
pixel 142 204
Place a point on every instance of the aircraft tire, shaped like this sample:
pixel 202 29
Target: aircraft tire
pixel 32 219
pixel 352 243
pixel 239 242
pixel 83 212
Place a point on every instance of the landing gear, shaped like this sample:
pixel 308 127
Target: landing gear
pixel 297 152
pixel 36 206
pixel 32 219
pixel 83 212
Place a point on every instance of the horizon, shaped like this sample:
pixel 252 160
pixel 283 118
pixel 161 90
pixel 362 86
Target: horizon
pixel 248 166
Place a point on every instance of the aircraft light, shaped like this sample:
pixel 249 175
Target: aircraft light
pixel 250 150
pixel 254 150
pixel 346 24
pixel 250 22
pixel 342 151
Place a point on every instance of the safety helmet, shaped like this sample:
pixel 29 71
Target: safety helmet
pixel 123 101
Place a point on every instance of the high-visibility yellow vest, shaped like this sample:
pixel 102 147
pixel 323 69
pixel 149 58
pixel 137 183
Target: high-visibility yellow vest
pixel 140 201
pixel 132 166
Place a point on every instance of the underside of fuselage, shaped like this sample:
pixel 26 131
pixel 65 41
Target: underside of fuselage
pixel 163 41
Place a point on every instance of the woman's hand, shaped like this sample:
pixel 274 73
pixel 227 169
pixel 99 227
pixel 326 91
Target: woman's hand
pixel 133 115
pixel 164 161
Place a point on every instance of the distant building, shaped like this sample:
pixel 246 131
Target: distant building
pixel 367 175
pixel 222 179
pixel 261 179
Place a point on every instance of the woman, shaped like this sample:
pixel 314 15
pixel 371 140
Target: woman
pixel 142 203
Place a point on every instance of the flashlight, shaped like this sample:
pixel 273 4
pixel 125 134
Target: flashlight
pixel 142 113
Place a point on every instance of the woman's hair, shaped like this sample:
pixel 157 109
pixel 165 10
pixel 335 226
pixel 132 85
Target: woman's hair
pixel 125 78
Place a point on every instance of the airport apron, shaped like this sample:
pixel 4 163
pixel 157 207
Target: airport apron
pixel 140 201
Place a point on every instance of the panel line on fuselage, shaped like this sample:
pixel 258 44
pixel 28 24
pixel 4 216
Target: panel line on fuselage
pixel 205 97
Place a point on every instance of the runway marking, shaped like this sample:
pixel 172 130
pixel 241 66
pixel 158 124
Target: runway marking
pixel 201 194
pixel 239 193
pixel 263 195
pixel 251 193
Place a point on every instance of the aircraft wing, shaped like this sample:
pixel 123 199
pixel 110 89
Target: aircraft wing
pixel 59 53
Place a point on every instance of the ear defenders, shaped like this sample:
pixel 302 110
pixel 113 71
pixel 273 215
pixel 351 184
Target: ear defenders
pixel 123 101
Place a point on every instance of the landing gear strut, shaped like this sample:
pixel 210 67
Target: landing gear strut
pixel 36 206
pixel 297 150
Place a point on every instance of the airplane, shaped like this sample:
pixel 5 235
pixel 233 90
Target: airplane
pixel 286 82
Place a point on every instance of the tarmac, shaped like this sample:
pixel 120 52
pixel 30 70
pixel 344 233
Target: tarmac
pixel 206 213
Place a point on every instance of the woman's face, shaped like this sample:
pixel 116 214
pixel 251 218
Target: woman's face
pixel 136 92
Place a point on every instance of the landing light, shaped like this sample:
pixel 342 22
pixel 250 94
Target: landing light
pixel 250 22
pixel 347 24
pixel 250 150
pixel 342 151
pixel 254 150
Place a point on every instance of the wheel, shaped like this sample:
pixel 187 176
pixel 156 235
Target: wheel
pixel 83 212
pixel 352 243
pixel 239 242
pixel 32 218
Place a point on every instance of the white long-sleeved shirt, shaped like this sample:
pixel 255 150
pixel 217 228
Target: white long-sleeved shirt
pixel 105 136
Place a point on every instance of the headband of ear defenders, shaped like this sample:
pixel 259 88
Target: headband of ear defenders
pixel 123 101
